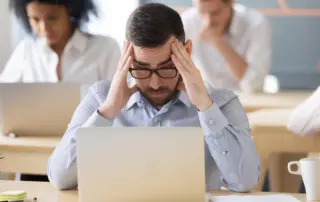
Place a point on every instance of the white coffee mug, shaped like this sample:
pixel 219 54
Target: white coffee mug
pixel 309 169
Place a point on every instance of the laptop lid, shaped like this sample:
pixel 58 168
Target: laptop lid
pixel 141 164
pixel 37 109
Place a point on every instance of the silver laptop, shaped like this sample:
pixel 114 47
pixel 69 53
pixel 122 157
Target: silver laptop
pixel 141 164
pixel 37 109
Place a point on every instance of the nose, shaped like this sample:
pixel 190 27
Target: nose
pixel 44 28
pixel 155 81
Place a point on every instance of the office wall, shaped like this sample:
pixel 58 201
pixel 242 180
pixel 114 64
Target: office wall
pixel 295 38
pixel 5 33
pixel 113 18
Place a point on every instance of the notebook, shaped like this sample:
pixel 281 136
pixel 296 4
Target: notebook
pixel 13 196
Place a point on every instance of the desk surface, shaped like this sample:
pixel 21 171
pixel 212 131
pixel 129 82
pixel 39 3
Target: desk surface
pixel 45 192
pixel 25 143
pixel 269 118
pixel 289 99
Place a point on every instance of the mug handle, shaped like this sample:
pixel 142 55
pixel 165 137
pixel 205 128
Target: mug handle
pixel 297 172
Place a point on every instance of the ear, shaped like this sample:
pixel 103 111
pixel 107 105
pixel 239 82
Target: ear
pixel 188 47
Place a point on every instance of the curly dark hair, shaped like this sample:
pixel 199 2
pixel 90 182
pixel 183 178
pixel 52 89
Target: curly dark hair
pixel 79 10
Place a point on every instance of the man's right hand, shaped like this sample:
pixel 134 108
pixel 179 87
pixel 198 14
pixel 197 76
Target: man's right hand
pixel 119 92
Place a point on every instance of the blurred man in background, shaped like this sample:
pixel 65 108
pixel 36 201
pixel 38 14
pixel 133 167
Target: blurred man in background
pixel 231 44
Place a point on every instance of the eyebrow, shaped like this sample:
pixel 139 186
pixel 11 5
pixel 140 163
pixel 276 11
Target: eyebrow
pixel 147 64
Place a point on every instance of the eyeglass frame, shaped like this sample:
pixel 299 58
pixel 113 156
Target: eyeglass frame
pixel 154 71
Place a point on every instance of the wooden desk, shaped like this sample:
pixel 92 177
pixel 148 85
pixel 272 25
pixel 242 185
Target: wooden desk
pixel 46 193
pixel 258 101
pixel 26 154
pixel 270 135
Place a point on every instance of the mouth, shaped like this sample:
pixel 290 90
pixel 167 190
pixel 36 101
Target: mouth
pixel 158 94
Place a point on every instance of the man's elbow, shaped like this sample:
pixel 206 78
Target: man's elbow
pixel 61 179
pixel 246 185
pixel 61 184
pixel 248 178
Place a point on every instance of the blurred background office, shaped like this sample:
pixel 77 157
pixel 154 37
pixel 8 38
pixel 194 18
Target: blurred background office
pixel 294 25
pixel 295 34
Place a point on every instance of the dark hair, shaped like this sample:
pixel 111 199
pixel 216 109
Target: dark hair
pixel 78 10
pixel 152 24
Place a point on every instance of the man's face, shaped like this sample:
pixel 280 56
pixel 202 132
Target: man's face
pixel 212 7
pixel 158 89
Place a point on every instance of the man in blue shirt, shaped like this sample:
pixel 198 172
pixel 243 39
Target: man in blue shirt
pixel 168 92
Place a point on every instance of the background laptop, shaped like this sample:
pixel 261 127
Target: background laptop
pixel 141 164
pixel 37 109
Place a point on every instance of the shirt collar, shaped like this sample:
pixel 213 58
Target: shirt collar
pixel 78 41
pixel 138 99
pixel 184 99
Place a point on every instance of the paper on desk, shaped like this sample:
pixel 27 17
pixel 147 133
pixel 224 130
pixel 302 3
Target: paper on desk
pixel 251 198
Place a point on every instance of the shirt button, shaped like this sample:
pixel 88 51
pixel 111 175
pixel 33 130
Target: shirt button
pixel 141 102
pixel 224 152
pixel 211 121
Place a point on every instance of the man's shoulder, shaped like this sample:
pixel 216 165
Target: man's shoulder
pixel 100 89
pixel 221 96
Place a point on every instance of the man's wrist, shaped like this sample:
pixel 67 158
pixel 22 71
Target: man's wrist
pixel 106 112
pixel 205 105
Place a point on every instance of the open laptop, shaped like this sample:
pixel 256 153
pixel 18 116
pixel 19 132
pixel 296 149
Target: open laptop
pixel 37 109
pixel 141 164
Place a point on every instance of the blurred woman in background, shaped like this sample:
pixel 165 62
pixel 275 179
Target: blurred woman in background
pixel 56 50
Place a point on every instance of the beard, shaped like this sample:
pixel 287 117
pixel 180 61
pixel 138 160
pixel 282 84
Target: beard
pixel 158 101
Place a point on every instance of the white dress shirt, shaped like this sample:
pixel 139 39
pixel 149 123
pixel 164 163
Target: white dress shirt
pixel 86 59
pixel 305 118
pixel 249 35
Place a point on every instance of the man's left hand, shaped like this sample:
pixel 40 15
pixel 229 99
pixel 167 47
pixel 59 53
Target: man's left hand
pixel 192 81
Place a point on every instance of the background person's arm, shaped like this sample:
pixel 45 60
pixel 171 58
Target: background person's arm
pixel 253 67
pixel 305 118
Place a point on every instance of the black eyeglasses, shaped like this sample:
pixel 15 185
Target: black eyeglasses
pixel 144 73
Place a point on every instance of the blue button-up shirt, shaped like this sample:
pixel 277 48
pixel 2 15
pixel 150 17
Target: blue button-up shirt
pixel 230 155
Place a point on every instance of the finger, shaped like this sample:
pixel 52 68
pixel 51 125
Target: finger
pixel 186 60
pixel 183 72
pixel 127 54
pixel 179 58
pixel 124 48
pixel 185 55
pixel 127 65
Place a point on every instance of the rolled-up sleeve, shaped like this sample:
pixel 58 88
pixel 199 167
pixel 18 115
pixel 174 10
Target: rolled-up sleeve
pixel 227 135
pixel 62 166
pixel 305 118
pixel 258 58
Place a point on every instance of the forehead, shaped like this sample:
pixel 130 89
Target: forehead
pixel 153 56
pixel 44 8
